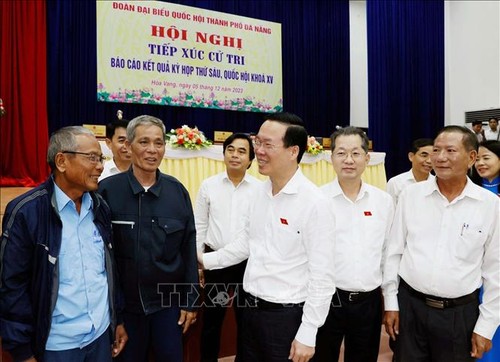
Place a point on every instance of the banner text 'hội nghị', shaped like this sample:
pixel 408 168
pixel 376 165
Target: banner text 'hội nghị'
pixel 160 53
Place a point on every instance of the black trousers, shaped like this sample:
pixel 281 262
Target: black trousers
pixel 220 283
pixel 268 333
pixel 428 334
pixel 358 323
pixel 158 331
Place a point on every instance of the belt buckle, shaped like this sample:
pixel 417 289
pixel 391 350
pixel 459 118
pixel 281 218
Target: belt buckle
pixel 434 303
pixel 351 295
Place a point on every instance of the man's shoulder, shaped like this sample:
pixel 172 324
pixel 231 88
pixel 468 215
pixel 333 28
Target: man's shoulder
pixel 170 181
pixel 253 182
pixel 29 198
pixel 483 194
pixel 30 201
pixel 400 178
pixel 214 179
pixel 114 182
pixel 380 194
pixel 310 190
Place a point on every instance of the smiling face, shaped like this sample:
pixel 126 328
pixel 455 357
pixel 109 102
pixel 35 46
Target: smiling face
pixel 76 172
pixel 477 128
pixel 487 164
pixel 237 156
pixel 148 148
pixel 273 158
pixel 349 159
pixel 421 160
pixel 450 159
pixel 117 145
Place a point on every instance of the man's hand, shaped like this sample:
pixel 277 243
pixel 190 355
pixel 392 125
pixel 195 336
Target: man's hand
pixel 479 345
pixel 300 352
pixel 391 322
pixel 201 277
pixel 121 339
pixel 199 256
pixel 186 319
pixel 31 359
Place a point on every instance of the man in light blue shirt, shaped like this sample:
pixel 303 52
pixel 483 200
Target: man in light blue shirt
pixel 57 279
pixel 81 313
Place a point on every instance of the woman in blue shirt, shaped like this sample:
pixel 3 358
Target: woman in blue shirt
pixel 488 176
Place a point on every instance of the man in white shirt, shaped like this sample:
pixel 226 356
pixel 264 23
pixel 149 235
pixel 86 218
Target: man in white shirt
pixel 289 279
pixel 420 158
pixel 492 133
pixel 221 211
pixel 444 245
pixel 477 128
pixel 116 135
pixel 363 215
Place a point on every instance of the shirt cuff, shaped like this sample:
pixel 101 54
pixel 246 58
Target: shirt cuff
pixel 485 329
pixel 307 335
pixel 391 302
pixel 210 260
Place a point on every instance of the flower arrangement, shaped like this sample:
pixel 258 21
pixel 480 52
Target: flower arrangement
pixel 187 137
pixel 313 146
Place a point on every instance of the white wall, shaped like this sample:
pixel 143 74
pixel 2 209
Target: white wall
pixel 359 63
pixel 472 58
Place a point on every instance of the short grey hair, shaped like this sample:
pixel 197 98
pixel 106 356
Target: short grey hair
pixel 143 120
pixel 64 139
pixel 350 131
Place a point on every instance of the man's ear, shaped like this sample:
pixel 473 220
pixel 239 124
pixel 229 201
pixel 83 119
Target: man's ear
pixel 472 158
pixel 61 162
pixel 410 156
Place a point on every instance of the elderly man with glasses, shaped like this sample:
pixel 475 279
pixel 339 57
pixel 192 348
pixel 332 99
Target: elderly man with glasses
pixel 57 277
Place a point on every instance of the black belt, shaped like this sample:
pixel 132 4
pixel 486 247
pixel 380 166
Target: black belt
pixel 439 302
pixel 354 297
pixel 256 302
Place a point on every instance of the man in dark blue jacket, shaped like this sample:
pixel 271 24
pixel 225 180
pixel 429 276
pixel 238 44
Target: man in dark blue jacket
pixel 155 244
pixel 57 280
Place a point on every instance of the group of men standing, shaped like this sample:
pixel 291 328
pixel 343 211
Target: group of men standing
pixel 310 267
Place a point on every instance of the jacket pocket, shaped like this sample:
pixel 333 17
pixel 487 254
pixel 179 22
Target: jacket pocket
pixel 124 230
pixel 168 237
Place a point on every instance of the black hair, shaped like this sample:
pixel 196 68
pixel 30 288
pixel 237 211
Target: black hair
pixel 112 126
pixel 242 136
pixel 492 146
pixel 421 142
pixel 350 131
pixel 295 135
pixel 469 139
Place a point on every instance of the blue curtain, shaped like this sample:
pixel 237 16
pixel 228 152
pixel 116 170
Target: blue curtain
pixel 315 43
pixel 405 75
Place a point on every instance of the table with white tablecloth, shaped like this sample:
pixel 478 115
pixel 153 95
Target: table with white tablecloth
pixel 191 167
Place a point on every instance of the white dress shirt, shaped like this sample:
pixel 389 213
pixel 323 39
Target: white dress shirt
pixel 361 235
pixel 221 209
pixel 397 183
pixel 490 135
pixel 290 250
pixel 447 249
pixel 110 169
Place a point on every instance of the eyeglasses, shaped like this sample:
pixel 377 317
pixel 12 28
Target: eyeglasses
pixel 266 145
pixel 355 155
pixel 92 157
